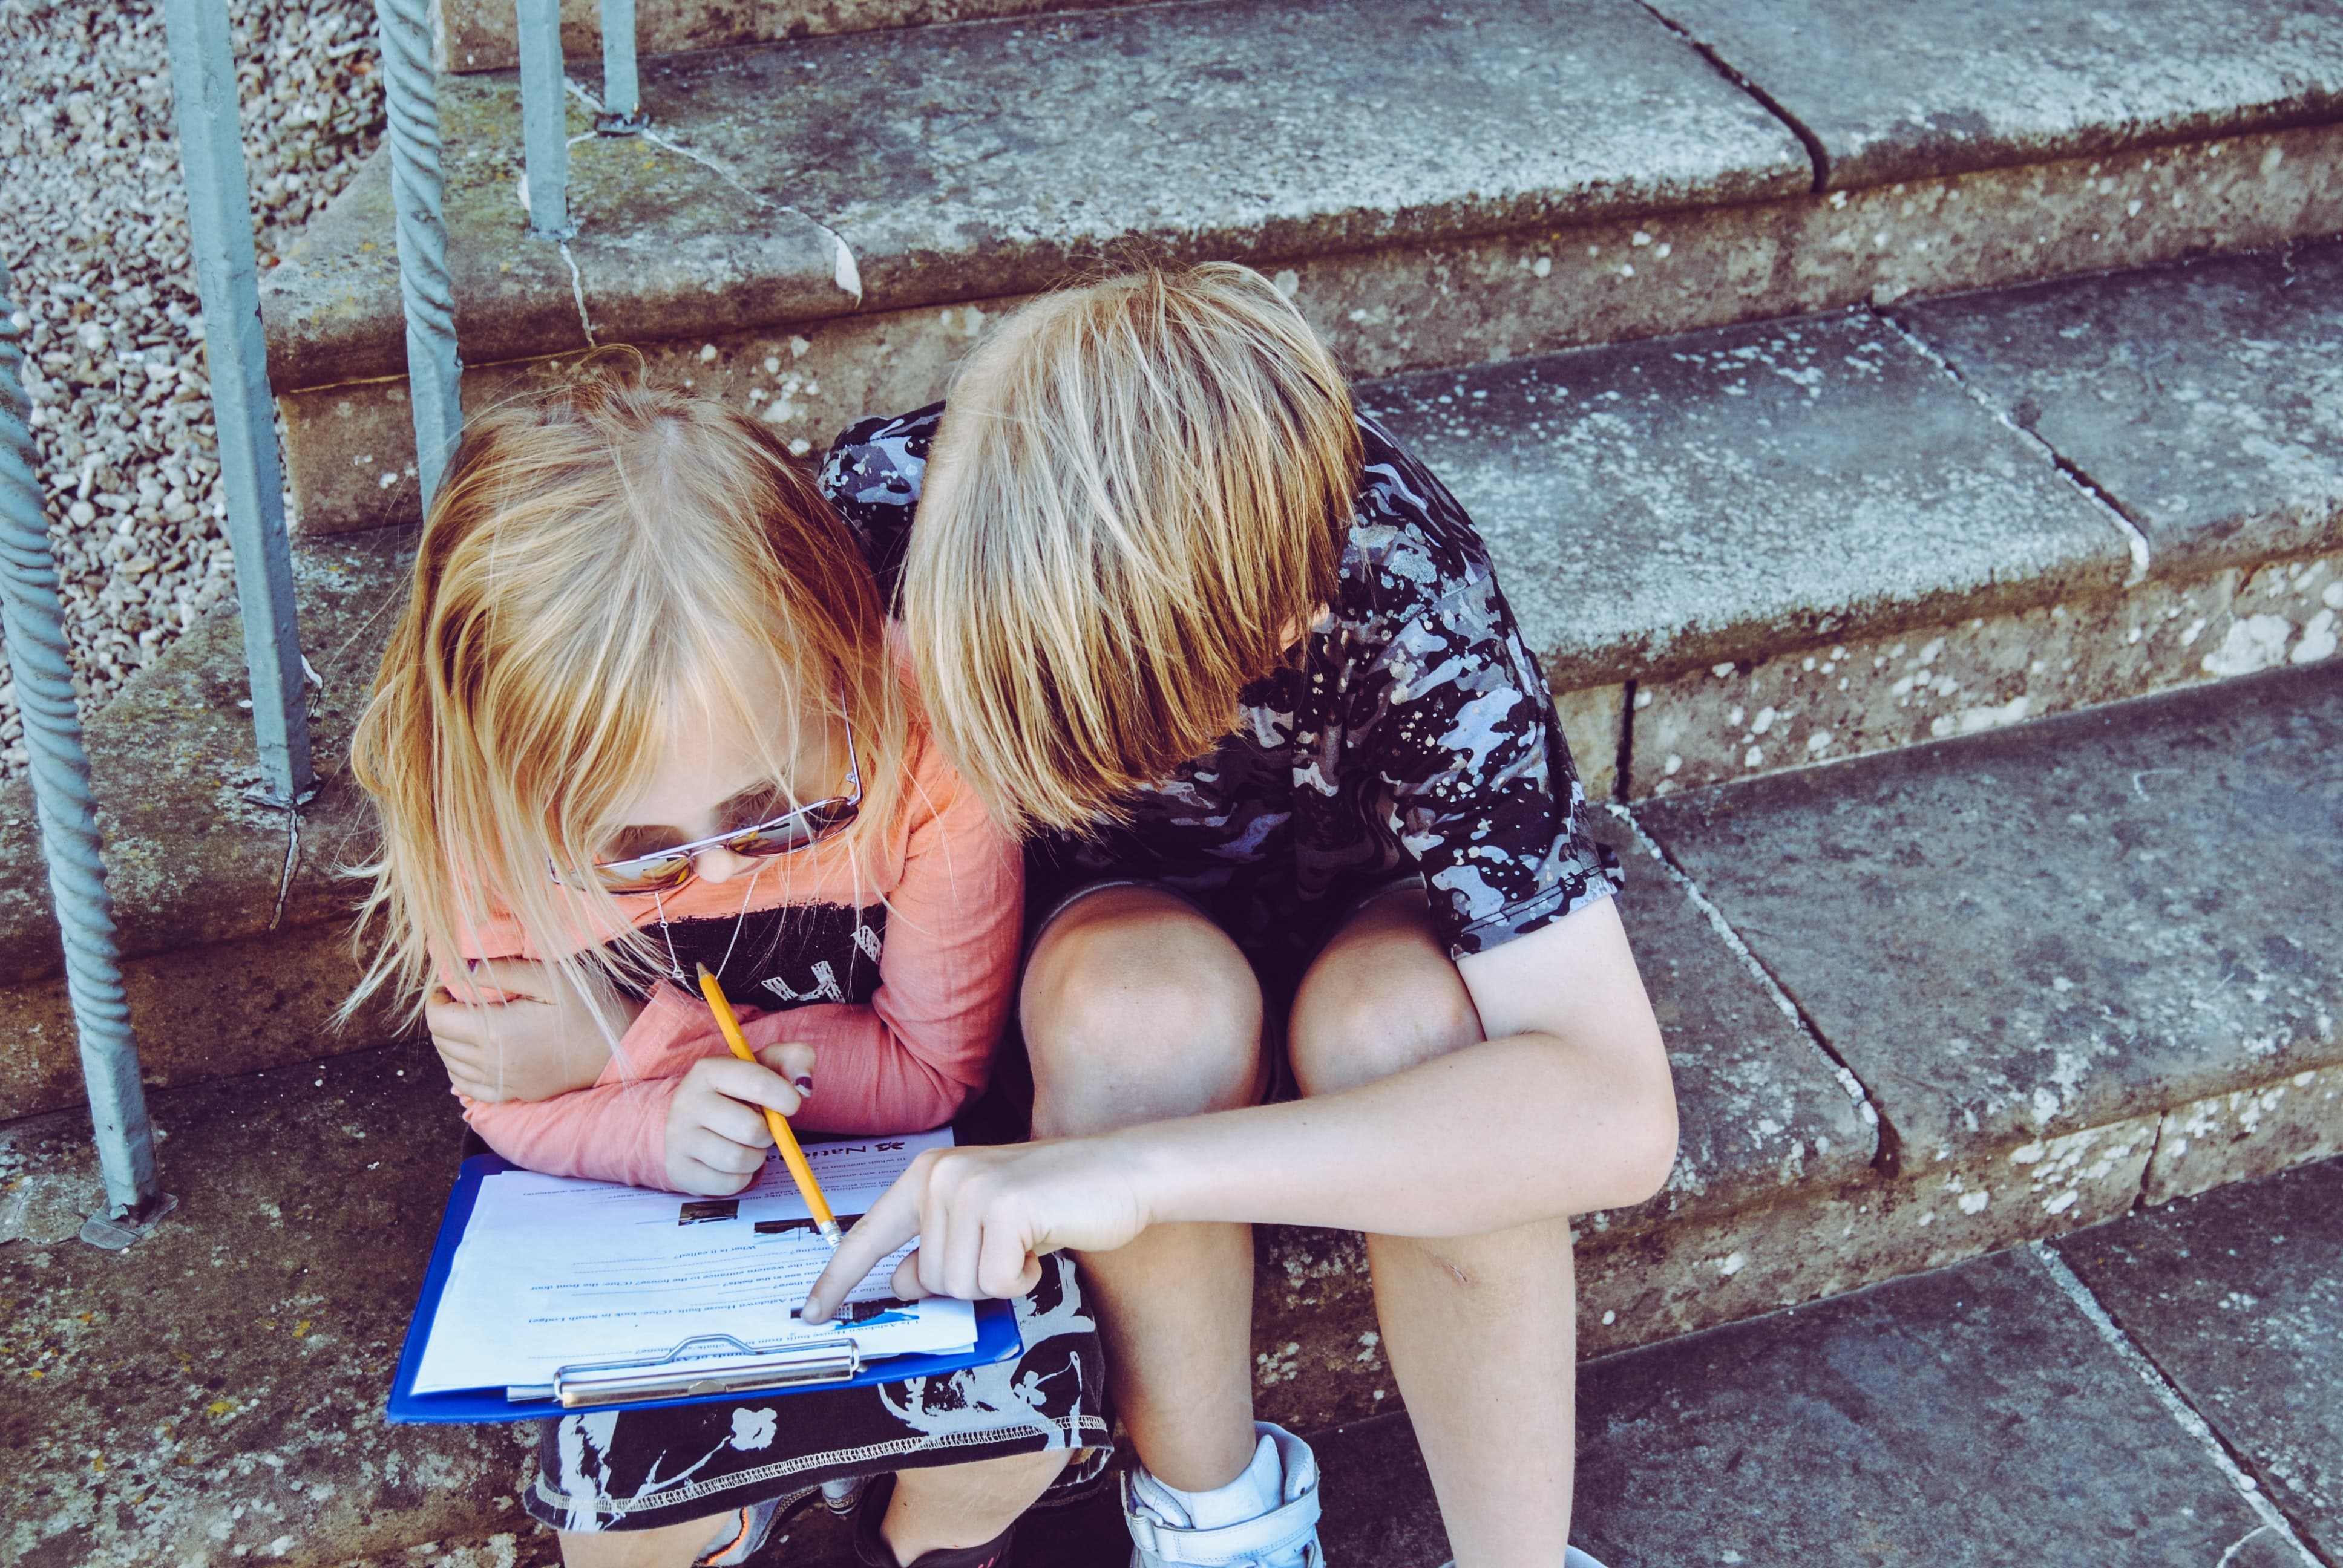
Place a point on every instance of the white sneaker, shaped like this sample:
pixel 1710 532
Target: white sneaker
pixel 1572 1557
pixel 1164 1535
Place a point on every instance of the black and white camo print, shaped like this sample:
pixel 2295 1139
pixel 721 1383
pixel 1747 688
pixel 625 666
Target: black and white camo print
pixel 1415 731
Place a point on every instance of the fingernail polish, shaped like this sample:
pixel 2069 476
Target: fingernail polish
pixel 804 1085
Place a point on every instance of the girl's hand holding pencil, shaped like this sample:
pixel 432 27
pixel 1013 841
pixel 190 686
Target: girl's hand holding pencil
pixel 716 1131
pixel 776 1122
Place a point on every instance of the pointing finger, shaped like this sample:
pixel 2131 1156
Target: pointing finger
pixel 890 1221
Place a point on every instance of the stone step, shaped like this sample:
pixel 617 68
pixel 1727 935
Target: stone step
pixel 1921 1006
pixel 1771 545
pixel 818 226
pixel 470 35
pixel 1737 551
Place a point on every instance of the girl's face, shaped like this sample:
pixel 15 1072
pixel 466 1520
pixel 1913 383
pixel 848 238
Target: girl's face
pixel 715 778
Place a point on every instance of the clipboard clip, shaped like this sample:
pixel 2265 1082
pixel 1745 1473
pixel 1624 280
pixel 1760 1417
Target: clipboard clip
pixel 687 1372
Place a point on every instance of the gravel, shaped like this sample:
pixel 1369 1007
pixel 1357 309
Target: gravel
pixel 93 223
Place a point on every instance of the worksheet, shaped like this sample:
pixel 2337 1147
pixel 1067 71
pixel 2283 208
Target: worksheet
pixel 556 1271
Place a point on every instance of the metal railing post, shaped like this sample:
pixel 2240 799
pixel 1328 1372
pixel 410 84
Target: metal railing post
pixel 227 281
pixel 434 374
pixel 622 94
pixel 544 119
pixel 35 625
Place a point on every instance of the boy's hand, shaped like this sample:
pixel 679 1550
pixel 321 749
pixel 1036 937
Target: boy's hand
pixel 716 1136
pixel 984 1216
pixel 528 1037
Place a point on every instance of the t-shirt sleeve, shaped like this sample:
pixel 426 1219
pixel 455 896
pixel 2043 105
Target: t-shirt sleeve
pixel 871 475
pixel 1481 788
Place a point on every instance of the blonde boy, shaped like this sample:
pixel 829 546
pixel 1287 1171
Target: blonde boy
pixel 1301 823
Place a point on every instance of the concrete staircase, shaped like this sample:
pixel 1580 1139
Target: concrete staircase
pixel 1835 386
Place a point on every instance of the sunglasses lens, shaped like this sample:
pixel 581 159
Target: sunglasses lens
pixel 649 874
pixel 794 832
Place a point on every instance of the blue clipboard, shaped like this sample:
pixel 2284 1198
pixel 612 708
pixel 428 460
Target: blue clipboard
pixel 997 1339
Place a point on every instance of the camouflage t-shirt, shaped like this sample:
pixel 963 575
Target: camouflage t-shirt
pixel 1413 732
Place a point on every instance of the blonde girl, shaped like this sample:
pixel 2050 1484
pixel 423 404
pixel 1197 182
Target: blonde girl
pixel 641 711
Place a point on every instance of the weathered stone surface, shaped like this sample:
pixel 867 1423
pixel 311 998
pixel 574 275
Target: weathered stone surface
pixel 2026 934
pixel 504 1549
pixel 1379 1507
pixel 2206 400
pixel 215 1391
pixel 2251 1133
pixel 1907 92
pixel 1863 694
pixel 666 246
pixel 1964 1419
pixel 1696 1272
pixel 198 1012
pixel 350 449
pixel 478 34
pixel 1590 719
pixel 1488 298
pixel 2237 1297
pixel 1221 129
pixel 1664 505
pixel 1761 1110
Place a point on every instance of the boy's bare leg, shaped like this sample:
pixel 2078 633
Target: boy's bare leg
pixel 1480 1330
pixel 1137 1009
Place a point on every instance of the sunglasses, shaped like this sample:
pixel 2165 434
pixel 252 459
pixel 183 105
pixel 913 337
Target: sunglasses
pixel 664 870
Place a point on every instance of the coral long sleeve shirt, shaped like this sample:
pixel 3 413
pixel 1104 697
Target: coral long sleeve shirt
pixel 944 886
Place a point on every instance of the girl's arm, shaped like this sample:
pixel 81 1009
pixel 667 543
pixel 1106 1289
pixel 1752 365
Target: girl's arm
pixel 1566 1110
pixel 948 977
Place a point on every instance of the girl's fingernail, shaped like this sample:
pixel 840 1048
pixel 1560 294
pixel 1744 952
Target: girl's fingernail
pixel 804 1084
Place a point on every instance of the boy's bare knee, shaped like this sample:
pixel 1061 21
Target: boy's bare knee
pixel 1354 1028
pixel 1127 1025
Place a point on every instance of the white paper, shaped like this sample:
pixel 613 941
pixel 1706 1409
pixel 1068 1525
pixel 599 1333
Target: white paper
pixel 554 1271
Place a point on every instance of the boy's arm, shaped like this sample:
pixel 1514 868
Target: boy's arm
pixel 1566 1109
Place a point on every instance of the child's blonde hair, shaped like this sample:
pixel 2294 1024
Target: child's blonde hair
pixel 1138 500
pixel 599 561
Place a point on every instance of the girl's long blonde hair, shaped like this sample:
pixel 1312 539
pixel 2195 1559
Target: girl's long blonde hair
pixel 1137 502
pixel 598 562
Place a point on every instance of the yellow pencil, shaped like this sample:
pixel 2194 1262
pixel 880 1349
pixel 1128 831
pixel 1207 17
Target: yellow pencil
pixel 791 1155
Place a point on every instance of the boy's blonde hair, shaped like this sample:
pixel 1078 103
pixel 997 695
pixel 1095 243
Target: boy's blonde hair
pixel 1138 498
pixel 599 563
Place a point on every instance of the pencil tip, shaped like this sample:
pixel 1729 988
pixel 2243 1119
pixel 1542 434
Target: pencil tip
pixel 703 972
